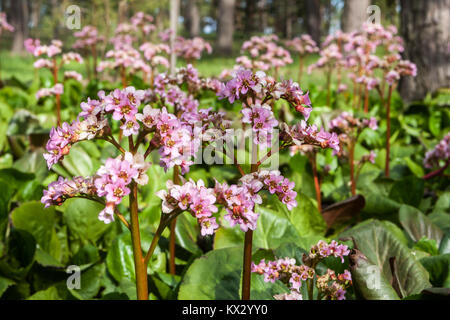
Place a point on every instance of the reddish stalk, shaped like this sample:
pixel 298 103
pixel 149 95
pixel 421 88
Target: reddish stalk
pixel 366 100
pixel 139 263
pixel 94 59
pixel 351 151
pixel 248 243
pixel 300 69
pixel 312 159
pixel 173 223
pixel 388 130
pixel 57 97
pixel 437 172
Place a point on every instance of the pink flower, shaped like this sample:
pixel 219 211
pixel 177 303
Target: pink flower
pixel 115 191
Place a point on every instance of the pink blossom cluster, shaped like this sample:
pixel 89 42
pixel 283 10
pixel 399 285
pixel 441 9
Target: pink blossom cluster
pixel 330 56
pixel 440 152
pixel 330 285
pixel 34 47
pixel 263 53
pixel 57 89
pixel 113 178
pixel 193 197
pixel 123 57
pixel 246 84
pixel 143 22
pixel 63 189
pixel 262 120
pixel 87 37
pixel 240 200
pixel 303 45
pixel 191 49
pixel 185 76
pixel 303 135
pixel 346 122
pixel 152 53
pixel 4 25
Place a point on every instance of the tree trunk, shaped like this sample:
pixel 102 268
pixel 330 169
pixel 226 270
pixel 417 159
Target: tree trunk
pixel 19 19
pixel 425 28
pixel 193 18
pixel 313 19
pixel 250 14
pixel 354 15
pixel 225 26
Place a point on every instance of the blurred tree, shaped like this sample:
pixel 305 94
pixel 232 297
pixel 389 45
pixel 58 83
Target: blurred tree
pixel 225 26
pixel 425 27
pixel 192 18
pixel 354 15
pixel 19 16
pixel 313 19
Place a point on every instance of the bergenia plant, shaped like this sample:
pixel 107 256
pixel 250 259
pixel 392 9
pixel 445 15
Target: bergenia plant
pixel 191 49
pixel 52 52
pixel 438 157
pixel 87 42
pixel 264 53
pixel 349 128
pixel 330 286
pixel 302 46
pixel 4 26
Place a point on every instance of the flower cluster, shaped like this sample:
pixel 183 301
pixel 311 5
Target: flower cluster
pixel 246 84
pixel 4 25
pixel 191 49
pixel 303 45
pixel 440 152
pixel 63 189
pixel 193 197
pixel 263 54
pixel 240 200
pixel 113 178
pixel 87 37
pixel 152 53
pixel 303 135
pixel 143 22
pixel 51 51
pixel 330 285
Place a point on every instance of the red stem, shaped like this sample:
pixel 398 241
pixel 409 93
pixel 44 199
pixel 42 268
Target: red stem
pixel 388 131
pixel 316 181
pixel 351 151
pixel 437 172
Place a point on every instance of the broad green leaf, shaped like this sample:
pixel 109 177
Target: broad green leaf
pixel 439 269
pixel 187 231
pixel 79 163
pixel 408 191
pixel 32 217
pixel 48 294
pixel 414 167
pixel 81 216
pixel 261 290
pixel 445 244
pixel 305 217
pixel 120 259
pixel 272 230
pixel 4 284
pixel 379 244
pixel 368 280
pixel 90 282
pixel 418 225
pixel 427 245
pixel 434 123
pixel 214 276
pixel 21 250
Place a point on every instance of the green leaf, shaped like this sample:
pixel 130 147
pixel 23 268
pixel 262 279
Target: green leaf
pixel 272 230
pixel 214 276
pixel 261 290
pixel 48 294
pixel 418 225
pixel 79 163
pixel 4 284
pixel 120 259
pixel 306 218
pixel 186 232
pixel 427 245
pixel 414 167
pixel 408 191
pixel 379 244
pixel 368 280
pixel 40 222
pixel 445 244
pixel 81 216
pixel 439 269
pixel 434 123
pixel 90 282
